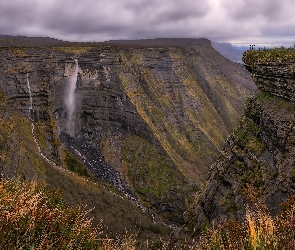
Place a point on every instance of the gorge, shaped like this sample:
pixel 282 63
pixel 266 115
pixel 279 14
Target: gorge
pixel 142 121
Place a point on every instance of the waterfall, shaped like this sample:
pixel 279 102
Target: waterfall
pixel 70 103
pixel 31 99
pixel 33 130
pixel 70 100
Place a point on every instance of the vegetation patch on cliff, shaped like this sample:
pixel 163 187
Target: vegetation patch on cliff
pixel 19 154
pixel 156 179
pixel 71 163
pixel 281 55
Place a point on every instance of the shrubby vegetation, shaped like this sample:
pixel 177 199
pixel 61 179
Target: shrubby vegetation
pixel 259 230
pixel 33 217
pixel 270 55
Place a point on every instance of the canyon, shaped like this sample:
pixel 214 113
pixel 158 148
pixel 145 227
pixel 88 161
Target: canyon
pixel 130 128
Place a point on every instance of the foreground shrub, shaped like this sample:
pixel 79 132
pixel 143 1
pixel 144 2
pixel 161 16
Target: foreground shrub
pixel 259 231
pixel 32 217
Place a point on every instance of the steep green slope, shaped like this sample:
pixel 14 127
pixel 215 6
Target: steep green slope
pixel 189 98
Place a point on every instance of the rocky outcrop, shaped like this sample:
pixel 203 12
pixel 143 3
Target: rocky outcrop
pixel 259 154
pixel 154 117
pixel 273 73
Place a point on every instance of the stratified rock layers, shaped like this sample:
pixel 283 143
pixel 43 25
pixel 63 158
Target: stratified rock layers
pixel 156 117
pixel 259 154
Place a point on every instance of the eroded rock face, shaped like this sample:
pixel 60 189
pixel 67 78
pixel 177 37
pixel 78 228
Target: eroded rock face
pixel 155 117
pixel 275 77
pixel 259 154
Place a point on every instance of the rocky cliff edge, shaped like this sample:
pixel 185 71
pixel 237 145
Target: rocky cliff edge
pixel 259 155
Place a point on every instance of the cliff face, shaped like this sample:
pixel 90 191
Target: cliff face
pixel 148 120
pixel 259 154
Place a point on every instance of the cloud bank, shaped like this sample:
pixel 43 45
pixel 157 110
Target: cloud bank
pixel 99 20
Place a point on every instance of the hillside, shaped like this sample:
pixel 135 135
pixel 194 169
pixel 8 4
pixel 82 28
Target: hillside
pixel 143 123
pixel 257 160
pixel 20 157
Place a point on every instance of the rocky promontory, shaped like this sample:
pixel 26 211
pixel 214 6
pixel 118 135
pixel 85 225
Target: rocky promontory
pixel 273 72
pixel 257 160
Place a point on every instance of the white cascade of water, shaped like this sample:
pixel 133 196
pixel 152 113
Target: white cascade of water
pixel 31 111
pixel 31 99
pixel 70 98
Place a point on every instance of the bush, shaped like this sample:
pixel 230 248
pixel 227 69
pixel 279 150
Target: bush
pixel 259 230
pixel 33 217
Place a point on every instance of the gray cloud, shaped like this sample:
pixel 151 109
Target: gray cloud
pixel 128 19
pixel 250 9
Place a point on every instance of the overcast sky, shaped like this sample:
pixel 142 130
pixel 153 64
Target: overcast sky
pixel 235 21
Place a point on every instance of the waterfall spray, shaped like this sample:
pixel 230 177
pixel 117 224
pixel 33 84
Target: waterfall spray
pixel 70 103
pixel 70 100
pixel 31 99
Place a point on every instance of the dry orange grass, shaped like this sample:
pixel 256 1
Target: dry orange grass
pixel 258 231
pixel 261 228
pixel 32 217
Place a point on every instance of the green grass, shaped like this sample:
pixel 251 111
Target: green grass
pixel 74 165
pixel 246 134
pixel 281 55
pixel 154 176
pixel 264 97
